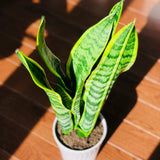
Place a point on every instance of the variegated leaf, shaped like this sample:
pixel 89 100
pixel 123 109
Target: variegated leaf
pixel 91 45
pixel 76 105
pixel 88 49
pixel 117 9
pixel 39 77
pixel 118 57
pixel 52 62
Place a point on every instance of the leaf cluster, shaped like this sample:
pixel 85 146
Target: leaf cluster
pixel 95 62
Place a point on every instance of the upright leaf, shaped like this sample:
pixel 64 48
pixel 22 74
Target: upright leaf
pixel 52 62
pixel 88 49
pixel 118 57
pixel 84 55
pixel 117 9
pixel 76 104
pixel 39 77
pixel 91 45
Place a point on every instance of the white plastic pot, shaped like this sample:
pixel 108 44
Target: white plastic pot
pixel 86 154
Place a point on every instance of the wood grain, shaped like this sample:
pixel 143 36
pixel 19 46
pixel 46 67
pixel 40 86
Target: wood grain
pixel 44 123
pixel 134 141
pixel 5 155
pixel 146 117
pixel 29 148
pixel 12 77
pixel 153 73
pixel 149 92
pixel 109 152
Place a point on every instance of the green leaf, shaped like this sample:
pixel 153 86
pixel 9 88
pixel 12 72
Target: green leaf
pixel 76 105
pixel 52 62
pixel 66 98
pixel 39 77
pixel 118 57
pixel 88 49
pixel 117 9
pixel 91 45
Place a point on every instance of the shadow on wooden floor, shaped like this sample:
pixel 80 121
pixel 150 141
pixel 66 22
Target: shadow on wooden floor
pixel 156 154
pixel 123 96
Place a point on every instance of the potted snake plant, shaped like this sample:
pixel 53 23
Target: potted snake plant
pixel 95 62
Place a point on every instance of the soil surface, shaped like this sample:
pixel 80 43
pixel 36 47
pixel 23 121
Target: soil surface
pixel 73 141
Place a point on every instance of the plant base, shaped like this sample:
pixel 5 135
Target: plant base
pixel 86 154
pixel 73 141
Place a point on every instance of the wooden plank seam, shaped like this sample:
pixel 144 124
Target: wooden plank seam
pixel 43 139
pixel 28 98
pixel 123 150
pixel 130 123
pixel 9 155
pixel 14 63
pixel 124 120
pixel 27 129
pixel 149 79
pixel 136 11
pixel 148 104
pixel 33 47
pixel 142 129
pixel 152 80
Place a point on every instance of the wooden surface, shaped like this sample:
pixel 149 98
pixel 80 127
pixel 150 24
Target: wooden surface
pixel 133 108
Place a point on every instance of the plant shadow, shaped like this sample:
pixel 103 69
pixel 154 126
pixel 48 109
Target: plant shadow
pixel 123 96
pixel 156 154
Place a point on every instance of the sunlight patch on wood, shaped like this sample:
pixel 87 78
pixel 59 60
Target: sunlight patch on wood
pixel 36 1
pixel 32 30
pixel 127 136
pixel 71 4
pixel 6 70
pixel 153 74
pixel 141 12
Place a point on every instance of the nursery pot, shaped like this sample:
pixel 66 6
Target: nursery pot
pixel 86 154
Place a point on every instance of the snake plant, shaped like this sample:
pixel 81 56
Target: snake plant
pixel 95 62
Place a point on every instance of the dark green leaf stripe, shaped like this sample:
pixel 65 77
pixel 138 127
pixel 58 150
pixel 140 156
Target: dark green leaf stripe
pixel 86 52
pixel 130 52
pixel 63 115
pixel 39 77
pixel 76 104
pixel 128 57
pixel 119 55
pixel 52 62
pixel 90 46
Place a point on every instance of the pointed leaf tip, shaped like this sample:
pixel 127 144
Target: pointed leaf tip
pixel 17 50
pixel 42 20
pixel 42 17
pixel 134 21
pixel 52 62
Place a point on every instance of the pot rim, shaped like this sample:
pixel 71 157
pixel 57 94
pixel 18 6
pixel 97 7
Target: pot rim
pixel 104 123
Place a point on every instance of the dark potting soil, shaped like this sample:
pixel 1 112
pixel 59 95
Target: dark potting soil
pixel 73 141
